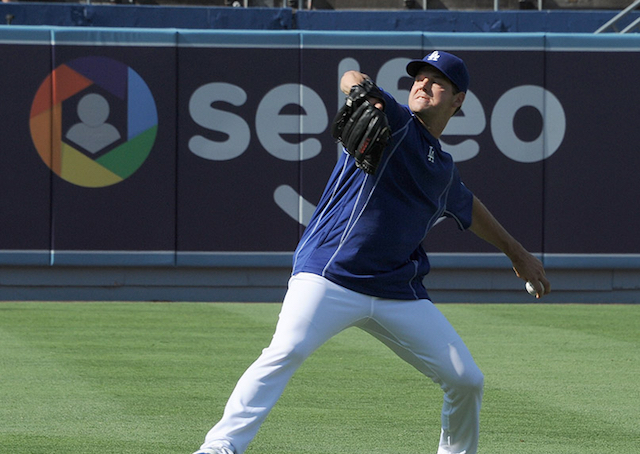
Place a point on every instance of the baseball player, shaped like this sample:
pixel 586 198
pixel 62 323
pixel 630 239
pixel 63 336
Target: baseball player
pixel 360 261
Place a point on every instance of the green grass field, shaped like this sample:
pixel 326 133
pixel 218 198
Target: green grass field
pixel 151 378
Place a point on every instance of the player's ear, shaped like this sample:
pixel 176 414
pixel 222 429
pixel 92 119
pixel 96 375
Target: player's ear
pixel 458 99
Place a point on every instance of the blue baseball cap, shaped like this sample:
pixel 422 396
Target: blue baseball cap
pixel 451 66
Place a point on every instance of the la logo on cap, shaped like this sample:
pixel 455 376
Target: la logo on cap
pixel 434 56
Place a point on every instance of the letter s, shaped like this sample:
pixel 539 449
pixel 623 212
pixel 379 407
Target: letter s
pixel 204 114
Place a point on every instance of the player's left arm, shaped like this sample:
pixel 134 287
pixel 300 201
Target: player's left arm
pixel 526 266
pixel 351 78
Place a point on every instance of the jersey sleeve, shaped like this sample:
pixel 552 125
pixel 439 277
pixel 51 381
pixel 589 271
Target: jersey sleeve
pixel 397 114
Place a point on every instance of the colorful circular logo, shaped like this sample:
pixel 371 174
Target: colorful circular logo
pixel 93 121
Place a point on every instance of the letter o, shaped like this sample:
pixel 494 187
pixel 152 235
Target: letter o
pixel 553 124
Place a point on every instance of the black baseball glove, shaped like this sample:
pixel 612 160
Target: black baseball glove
pixel 361 127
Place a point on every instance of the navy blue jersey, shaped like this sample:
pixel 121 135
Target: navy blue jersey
pixel 367 230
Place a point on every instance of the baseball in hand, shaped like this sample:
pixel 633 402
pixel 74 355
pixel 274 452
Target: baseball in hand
pixel 531 290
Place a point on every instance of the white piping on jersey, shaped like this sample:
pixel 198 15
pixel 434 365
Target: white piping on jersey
pixel 454 217
pixel 324 210
pixel 441 205
pixel 348 228
pixel 415 274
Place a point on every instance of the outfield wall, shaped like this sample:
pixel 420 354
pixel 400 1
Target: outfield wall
pixel 215 148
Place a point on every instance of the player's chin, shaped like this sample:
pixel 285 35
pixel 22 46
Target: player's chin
pixel 419 104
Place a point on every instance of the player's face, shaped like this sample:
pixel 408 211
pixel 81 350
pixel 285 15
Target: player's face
pixel 433 93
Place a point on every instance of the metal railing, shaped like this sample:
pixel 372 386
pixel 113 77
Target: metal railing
pixel 613 22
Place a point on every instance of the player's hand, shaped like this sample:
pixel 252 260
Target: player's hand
pixel 530 269
pixel 376 102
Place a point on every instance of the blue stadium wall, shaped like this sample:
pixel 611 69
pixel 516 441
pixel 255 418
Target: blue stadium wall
pixel 196 17
pixel 214 149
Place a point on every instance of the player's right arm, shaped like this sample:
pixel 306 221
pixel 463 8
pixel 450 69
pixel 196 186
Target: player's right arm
pixel 526 266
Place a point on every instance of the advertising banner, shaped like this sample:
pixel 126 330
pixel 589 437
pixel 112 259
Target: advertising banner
pixel 91 117
pixel 25 184
pixel 162 147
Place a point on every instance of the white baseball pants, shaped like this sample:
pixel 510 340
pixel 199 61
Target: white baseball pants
pixel 314 310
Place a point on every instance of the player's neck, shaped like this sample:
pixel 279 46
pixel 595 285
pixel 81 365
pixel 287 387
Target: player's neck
pixel 435 126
